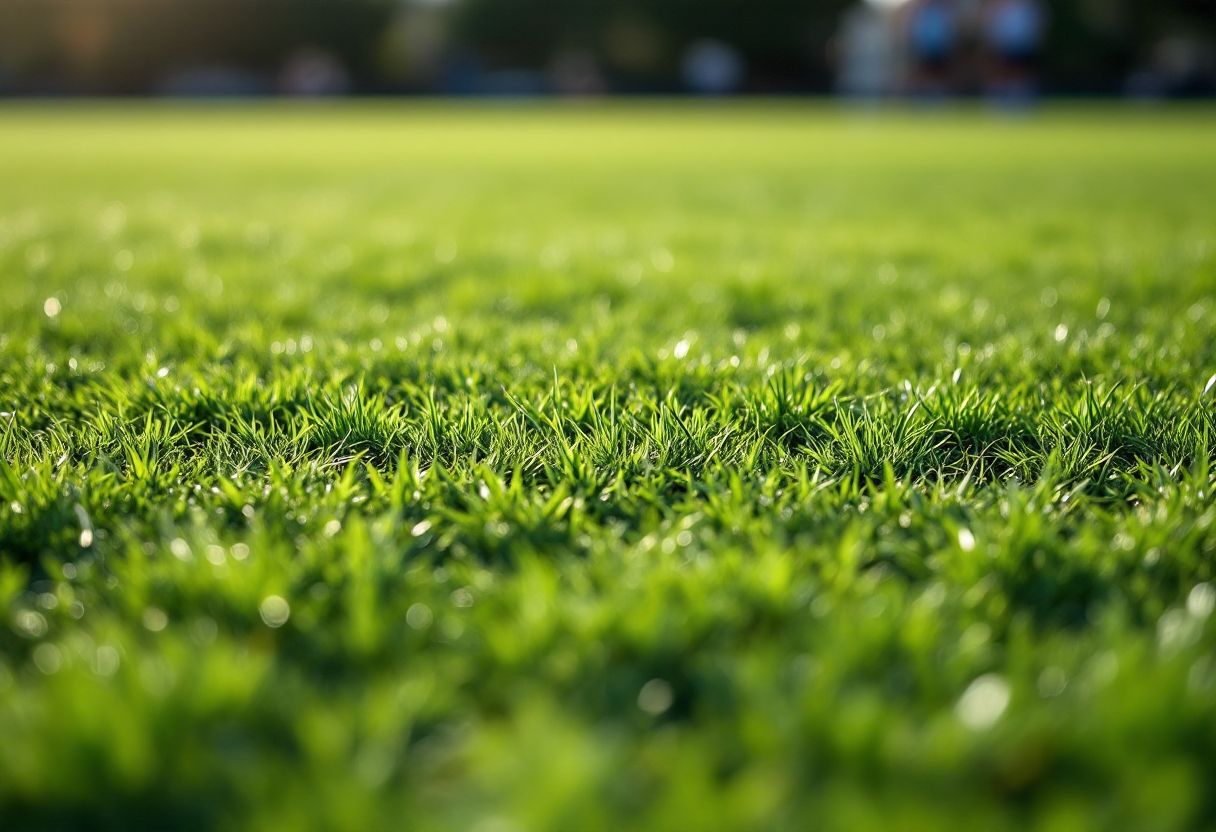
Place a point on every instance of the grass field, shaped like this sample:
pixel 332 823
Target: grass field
pixel 643 467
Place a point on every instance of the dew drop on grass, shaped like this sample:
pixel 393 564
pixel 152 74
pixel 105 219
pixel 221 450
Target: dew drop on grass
pixel 662 260
pixel 30 624
pixel 655 697
pixel 1052 682
pixel 1201 600
pixel 112 219
pixel 1199 677
pixel 181 549
pixel 105 662
pixel 51 307
pixel 47 658
pixel 975 637
pixel 275 611
pixel 983 703
pixel 451 630
pixel 203 630
pixel 155 619
pixel 966 540
pixel 419 616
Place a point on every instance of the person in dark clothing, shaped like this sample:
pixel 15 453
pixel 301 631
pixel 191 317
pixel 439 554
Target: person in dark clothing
pixel 932 42
pixel 1013 37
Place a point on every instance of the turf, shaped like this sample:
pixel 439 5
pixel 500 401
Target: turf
pixel 649 467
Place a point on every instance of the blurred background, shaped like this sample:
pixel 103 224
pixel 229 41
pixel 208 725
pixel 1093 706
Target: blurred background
pixel 1007 49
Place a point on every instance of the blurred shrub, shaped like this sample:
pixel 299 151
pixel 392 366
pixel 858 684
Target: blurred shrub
pixel 133 46
pixel 639 43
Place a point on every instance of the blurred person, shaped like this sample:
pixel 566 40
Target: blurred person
pixel 1013 37
pixel 864 52
pixel 711 67
pixel 575 72
pixel 932 37
pixel 1181 66
pixel 313 73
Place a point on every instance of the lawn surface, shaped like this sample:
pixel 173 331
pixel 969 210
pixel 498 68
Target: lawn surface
pixel 606 468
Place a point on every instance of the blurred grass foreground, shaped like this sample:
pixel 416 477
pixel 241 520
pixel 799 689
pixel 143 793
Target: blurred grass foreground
pixel 598 468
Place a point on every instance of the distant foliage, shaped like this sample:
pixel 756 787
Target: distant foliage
pixel 131 46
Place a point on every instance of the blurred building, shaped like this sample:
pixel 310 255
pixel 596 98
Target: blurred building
pixel 867 53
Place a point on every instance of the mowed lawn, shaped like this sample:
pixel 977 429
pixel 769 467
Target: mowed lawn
pixel 517 468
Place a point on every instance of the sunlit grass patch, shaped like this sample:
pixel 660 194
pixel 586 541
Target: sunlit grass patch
pixel 715 467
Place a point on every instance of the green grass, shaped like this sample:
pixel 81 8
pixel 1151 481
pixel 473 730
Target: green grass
pixel 606 468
